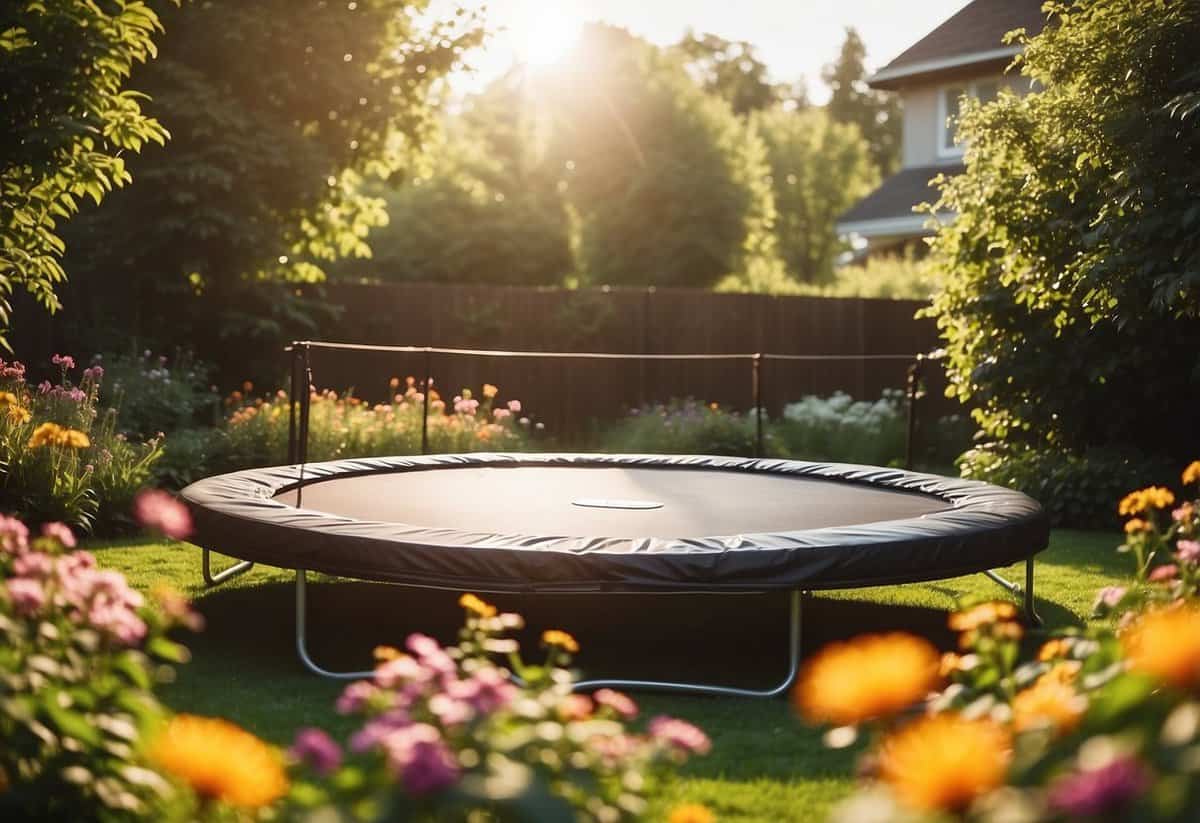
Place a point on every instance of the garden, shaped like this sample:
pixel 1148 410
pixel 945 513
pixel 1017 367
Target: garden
pixel 1066 294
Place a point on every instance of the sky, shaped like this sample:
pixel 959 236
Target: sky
pixel 793 37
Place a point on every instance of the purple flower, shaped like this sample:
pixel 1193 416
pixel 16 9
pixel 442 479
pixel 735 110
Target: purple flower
pixel 355 696
pixel 316 749
pixel 679 734
pixel 1100 791
pixel 420 758
pixel 28 596
pixel 1188 551
pixel 376 729
pixel 64 360
pixel 14 536
pixel 60 532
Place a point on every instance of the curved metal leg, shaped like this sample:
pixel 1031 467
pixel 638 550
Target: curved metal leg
pixel 1030 611
pixel 724 691
pixel 301 643
pixel 233 571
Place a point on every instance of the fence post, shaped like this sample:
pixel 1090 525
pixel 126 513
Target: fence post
pixel 293 399
pixel 425 401
pixel 915 370
pixel 756 382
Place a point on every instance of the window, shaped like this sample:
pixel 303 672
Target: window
pixel 950 106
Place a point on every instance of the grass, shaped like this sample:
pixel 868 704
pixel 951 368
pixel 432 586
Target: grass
pixel 765 765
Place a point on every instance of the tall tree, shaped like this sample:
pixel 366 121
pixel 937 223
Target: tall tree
pixel 730 69
pixel 877 114
pixel 68 123
pixel 668 183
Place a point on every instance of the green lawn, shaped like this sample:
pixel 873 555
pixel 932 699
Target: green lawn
pixel 764 765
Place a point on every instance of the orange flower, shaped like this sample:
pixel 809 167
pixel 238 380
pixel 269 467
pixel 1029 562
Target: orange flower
pixel 1151 497
pixel 1136 525
pixel 996 611
pixel 1192 473
pixel 943 762
pixel 558 639
pixel 477 606
pixel 18 415
pixel 691 813
pixel 868 677
pixel 1050 702
pixel 220 761
pixel 950 663
pixel 52 434
pixel 1054 649
pixel 382 654
pixel 1165 644
pixel 490 391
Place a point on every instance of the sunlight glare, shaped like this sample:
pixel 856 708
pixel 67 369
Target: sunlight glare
pixel 543 33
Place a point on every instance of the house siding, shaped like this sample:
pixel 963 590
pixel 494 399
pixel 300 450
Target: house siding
pixel 921 126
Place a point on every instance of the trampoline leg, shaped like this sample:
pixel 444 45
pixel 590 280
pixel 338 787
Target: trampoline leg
pixel 1017 590
pixel 233 571
pixel 794 627
pixel 302 644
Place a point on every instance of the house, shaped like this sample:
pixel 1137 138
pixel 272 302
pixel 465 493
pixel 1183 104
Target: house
pixel 964 56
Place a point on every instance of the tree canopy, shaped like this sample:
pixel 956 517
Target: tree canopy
pixel 876 113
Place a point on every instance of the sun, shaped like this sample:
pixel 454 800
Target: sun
pixel 543 33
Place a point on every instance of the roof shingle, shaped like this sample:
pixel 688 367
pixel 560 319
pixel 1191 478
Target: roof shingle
pixel 897 195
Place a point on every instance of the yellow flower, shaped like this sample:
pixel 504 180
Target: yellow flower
pixel 7 398
pixel 691 813
pixel 477 606
pixel 1151 497
pixel 490 391
pixel 220 761
pixel 75 439
pixel 949 664
pixel 1136 525
pixel 52 434
pixel 560 640
pixel 1054 649
pixel 868 677
pixel 18 415
pixel 1165 644
pixel 943 762
pixel 1192 473
pixel 1050 702
pixel 984 614
pixel 385 653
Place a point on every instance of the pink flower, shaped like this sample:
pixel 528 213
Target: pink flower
pixel 1182 513
pixel 376 729
pixel 94 373
pixel 1188 551
pixel 399 671
pixel 679 734
pixel 38 565
pixel 450 711
pixel 159 511
pixel 1116 786
pixel 12 371
pixel 317 750
pixel 28 596
pixel 613 748
pixel 575 707
pixel 60 532
pixel 44 387
pixel 500 414
pixel 620 703
pixel 1110 596
pixel 355 696
pixel 430 654
pixel 420 758
pixel 64 360
pixel 1164 573
pixel 514 406
pixel 14 536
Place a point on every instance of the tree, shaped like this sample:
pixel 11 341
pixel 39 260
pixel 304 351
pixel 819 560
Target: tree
pixel 668 183
pixel 731 70
pixel 1071 313
pixel 819 168
pixel 877 114
pixel 68 121
pixel 280 110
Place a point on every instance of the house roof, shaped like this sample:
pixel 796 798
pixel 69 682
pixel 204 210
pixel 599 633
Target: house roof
pixel 974 35
pixel 889 209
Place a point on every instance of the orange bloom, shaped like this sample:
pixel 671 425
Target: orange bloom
pixel 868 677
pixel 1151 497
pixel 950 663
pixel 52 434
pixel 477 606
pixel 382 654
pixel 1136 525
pixel 1050 702
pixel 1192 473
pixel 220 761
pixel 691 813
pixel 490 391
pixel 996 611
pixel 943 762
pixel 1165 644
pixel 560 640
pixel 1054 649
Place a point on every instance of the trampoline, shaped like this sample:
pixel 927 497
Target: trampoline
pixel 596 524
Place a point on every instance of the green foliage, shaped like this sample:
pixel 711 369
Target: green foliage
pixel 730 70
pixel 155 394
pixel 1074 489
pixel 69 124
pixel 839 428
pixel 1072 273
pixel 682 427
pixel 877 114
pixel 63 457
pixel 818 168
pixel 668 184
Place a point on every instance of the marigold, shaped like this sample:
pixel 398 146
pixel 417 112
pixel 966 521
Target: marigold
pixel 1136 525
pixel 560 640
pixel 1192 473
pixel 1151 497
pixel 691 813
pixel 220 761
pixel 477 606
pixel 943 762
pixel 52 434
pixel 868 677
pixel 1050 702
pixel 1165 643
pixel 996 611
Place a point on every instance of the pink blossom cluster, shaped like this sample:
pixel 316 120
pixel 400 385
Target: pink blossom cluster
pixel 12 371
pixel 73 394
pixel 158 511
pixel 1188 551
pixel 679 735
pixel 465 405
pixel 64 360
pixel 93 373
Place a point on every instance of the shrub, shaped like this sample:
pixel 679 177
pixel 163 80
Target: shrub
pixel 256 432
pixel 64 458
pixel 1098 724
pixel 840 428
pixel 889 277
pixel 450 735
pixel 155 394
pixel 681 427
